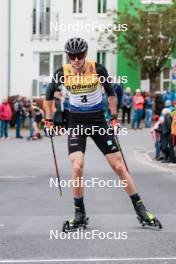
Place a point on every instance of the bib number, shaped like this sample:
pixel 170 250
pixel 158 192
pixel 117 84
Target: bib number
pixel 84 99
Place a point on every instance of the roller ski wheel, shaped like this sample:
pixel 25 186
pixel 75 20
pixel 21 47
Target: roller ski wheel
pixel 72 225
pixel 146 218
pixel 155 223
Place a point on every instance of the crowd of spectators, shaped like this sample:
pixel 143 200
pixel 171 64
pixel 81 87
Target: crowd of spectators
pixel 164 132
pixel 161 112
pixel 20 112
pixel 142 105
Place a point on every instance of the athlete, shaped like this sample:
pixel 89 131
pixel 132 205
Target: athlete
pixel 86 110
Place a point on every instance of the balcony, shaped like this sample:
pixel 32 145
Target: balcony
pixel 44 26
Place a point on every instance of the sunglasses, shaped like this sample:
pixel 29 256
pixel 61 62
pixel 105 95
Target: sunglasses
pixel 79 56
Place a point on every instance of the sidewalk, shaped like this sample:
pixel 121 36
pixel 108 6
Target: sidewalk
pixel 24 133
pixel 151 155
pixel 148 157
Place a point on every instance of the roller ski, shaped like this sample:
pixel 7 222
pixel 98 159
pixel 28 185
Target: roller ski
pixel 79 222
pixel 146 218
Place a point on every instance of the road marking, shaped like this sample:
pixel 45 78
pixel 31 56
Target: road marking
pixel 2 225
pixel 85 260
pixel 144 158
pixel 16 177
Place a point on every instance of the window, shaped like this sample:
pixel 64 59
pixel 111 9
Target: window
pixel 42 88
pixel 34 88
pixel 34 17
pixel 165 79
pixel 166 85
pixel 166 73
pixel 44 64
pixel 101 6
pixel 77 6
pixel 101 57
pixel 67 60
pixel 58 62
pixel 41 17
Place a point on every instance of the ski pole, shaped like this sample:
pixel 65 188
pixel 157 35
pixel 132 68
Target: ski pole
pixel 55 161
pixel 123 157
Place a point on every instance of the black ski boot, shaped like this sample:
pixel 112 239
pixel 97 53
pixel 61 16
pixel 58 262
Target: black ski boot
pixel 146 218
pixel 79 222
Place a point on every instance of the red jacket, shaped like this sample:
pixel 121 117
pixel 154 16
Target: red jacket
pixel 138 102
pixel 5 112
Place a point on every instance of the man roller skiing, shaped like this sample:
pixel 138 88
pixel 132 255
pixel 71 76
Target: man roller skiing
pixel 86 111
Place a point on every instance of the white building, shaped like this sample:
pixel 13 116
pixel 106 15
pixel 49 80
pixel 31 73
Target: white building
pixel 33 34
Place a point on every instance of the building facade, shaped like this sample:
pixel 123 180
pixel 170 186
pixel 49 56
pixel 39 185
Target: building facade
pixel 33 36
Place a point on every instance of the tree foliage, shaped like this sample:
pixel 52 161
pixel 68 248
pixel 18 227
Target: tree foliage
pixel 150 38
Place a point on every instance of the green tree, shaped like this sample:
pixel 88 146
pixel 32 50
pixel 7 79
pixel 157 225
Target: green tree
pixel 150 38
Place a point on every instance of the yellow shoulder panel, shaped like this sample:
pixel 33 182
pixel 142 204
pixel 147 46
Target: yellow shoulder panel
pixel 67 70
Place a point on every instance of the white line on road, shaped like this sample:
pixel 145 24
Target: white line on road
pixel 2 225
pixel 85 260
pixel 15 177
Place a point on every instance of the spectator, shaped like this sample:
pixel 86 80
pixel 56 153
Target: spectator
pixel 29 114
pixel 118 87
pixel 5 115
pixel 38 115
pixel 173 135
pixel 168 104
pixel 156 134
pixel 167 95
pixel 0 121
pixel 19 113
pixel 127 101
pixel 173 95
pixel 138 104
pixel 166 139
pixel 148 104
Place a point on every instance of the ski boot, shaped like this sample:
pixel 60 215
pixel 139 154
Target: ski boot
pixel 79 222
pixel 146 218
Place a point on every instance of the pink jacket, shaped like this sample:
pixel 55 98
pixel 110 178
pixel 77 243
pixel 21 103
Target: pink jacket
pixel 5 112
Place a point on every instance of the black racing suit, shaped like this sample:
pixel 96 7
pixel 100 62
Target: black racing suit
pixel 85 120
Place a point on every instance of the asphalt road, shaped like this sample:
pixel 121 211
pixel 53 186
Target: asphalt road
pixel 32 212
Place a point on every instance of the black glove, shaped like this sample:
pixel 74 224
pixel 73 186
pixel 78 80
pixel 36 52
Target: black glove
pixel 115 122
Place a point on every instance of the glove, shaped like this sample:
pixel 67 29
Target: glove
pixel 49 128
pixel 115 123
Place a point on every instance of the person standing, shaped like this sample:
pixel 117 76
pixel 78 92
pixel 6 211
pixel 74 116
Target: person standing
pixel 6 115
pixel 38 116
pixel 29 114
pixel 166 137
pixel 19 113
pixel 118 88
pixel 138 104
pixel 156 134
pixel 167 95
pixel 127 101
pixel 148 104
